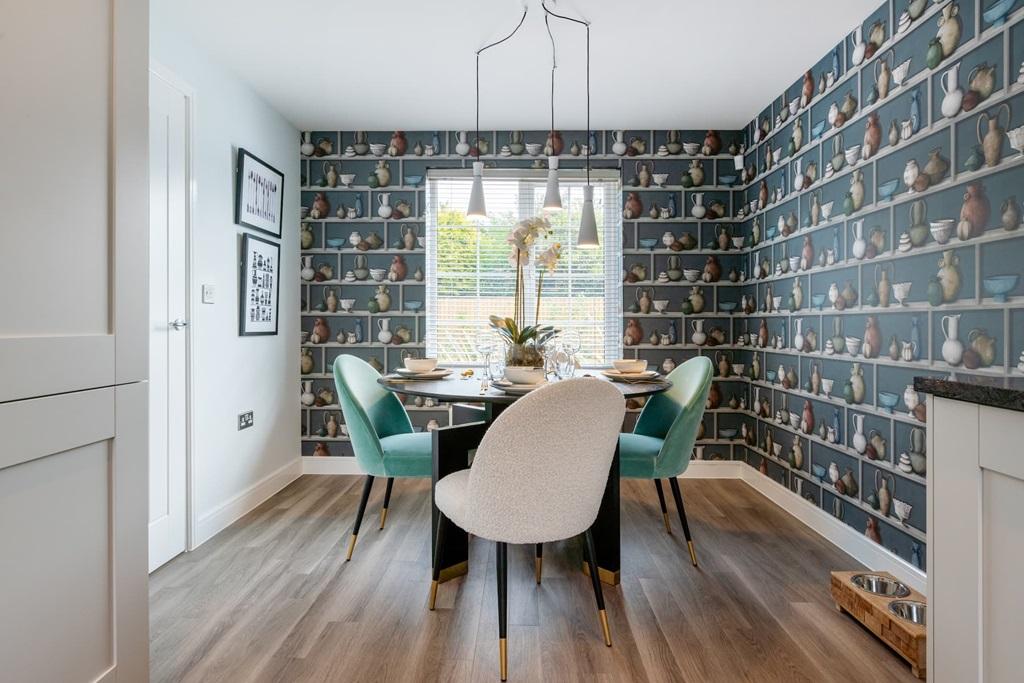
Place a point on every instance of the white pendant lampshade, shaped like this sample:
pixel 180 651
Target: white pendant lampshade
pixel 552 196
pixel 477 207
pixel 587 236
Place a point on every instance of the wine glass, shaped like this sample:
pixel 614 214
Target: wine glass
pixel 485 347
pixel 571 343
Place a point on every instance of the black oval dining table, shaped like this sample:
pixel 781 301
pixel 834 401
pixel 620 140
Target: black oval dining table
pixel 452 451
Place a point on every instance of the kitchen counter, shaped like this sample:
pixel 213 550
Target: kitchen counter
pixel 981 394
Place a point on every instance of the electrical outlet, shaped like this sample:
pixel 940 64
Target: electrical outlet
pixel 244 420
pixel 209 293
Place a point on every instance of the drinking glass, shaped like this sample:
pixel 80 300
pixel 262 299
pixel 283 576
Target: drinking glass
pixel 496 365
pixel 571 343
pixel 565 364
pixel 485 347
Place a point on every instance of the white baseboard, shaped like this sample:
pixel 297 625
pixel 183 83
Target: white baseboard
pixel 234 508
pixel 333 465
pixel 843 536
pixel 714 469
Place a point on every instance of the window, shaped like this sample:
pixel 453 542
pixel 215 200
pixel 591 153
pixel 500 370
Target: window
pixel 469 276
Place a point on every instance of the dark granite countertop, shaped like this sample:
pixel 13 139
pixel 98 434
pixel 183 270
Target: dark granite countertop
pixel 996 397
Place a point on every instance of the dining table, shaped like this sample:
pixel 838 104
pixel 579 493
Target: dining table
pixel 454 445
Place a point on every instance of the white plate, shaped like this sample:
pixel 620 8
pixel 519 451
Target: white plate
pixel 615 374
pixel 510 388
pixel 436 373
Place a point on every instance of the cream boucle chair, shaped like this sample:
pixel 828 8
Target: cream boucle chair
pixel 538 476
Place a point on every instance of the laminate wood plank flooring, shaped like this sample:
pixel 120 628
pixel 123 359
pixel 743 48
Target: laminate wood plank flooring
pixel 272 599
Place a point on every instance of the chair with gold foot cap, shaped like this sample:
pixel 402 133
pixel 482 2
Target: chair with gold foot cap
pixel 662 440
pixel 382 436
pixel 538 476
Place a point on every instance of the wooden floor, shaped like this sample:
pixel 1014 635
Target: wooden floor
pixel 271 599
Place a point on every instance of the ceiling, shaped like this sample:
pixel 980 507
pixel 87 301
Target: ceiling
pixel 376 64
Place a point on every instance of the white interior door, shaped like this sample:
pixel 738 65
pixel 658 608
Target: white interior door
pixel 168 332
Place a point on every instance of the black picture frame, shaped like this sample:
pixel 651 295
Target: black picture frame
pixel 259 287
pixel 259 194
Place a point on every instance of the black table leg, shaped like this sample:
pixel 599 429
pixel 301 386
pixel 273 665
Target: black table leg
pixel 452 446
pixel 606 528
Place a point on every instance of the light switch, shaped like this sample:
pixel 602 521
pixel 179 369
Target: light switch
pixel 208 294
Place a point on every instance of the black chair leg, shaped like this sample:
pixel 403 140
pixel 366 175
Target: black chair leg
pixel 674 482
pixel 436 569
pixel 387 499
pixel 664 507
pixel 539 561
pixel 502 562
pixel 591 553
pixel 359 515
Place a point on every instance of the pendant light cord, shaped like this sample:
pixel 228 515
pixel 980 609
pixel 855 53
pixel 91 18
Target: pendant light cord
pixel 586 24
pixel 526 8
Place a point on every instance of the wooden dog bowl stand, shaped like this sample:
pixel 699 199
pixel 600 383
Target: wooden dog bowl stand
pixel 906 638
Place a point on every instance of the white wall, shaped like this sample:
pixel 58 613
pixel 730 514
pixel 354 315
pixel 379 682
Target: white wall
pixel 234 470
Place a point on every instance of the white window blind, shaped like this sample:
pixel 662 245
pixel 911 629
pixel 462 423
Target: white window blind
pixel 469 276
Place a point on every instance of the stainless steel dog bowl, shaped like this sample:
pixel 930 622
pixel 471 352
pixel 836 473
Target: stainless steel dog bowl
pixel 910 610
pixel 880 585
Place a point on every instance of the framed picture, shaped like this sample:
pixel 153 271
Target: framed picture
pixel 258 289
pixel 259 194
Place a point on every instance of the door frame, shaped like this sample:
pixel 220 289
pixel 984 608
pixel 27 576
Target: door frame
pixel 157 70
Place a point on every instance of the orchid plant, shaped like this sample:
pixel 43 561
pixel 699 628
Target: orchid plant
pixel 525 341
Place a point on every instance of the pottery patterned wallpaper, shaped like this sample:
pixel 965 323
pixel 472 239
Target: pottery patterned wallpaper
pixel 885 243
pixel 873 236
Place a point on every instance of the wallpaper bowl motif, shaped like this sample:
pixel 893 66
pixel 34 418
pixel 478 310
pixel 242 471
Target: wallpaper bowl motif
pixel 1000 285
pixel 888 400
pixel 887 189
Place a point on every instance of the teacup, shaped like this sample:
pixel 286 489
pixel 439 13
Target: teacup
pixel 900 291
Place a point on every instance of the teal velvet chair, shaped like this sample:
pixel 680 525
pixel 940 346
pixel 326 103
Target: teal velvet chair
pixel 383 439
pixel 662 440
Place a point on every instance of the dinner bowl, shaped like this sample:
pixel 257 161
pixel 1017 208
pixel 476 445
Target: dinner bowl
pixel 347 179
pixel 887 189
pixel 413 180
pixel 519 374
pixel 630 365
pixel 888 400
pixel 420 365
pixel 942 230
pixel 648 242
pixel 999 286
pixel 412 306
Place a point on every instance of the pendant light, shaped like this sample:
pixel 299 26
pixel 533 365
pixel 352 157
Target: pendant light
pixel 477 206
pixel 587 237
pixel 552 193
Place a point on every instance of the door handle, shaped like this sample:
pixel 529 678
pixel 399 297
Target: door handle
pixel 179 324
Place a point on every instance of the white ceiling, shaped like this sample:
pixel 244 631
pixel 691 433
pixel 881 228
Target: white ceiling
pixel 375 64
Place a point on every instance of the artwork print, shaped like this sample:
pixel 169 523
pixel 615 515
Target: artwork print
pixel 259 286
pixel 259 194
